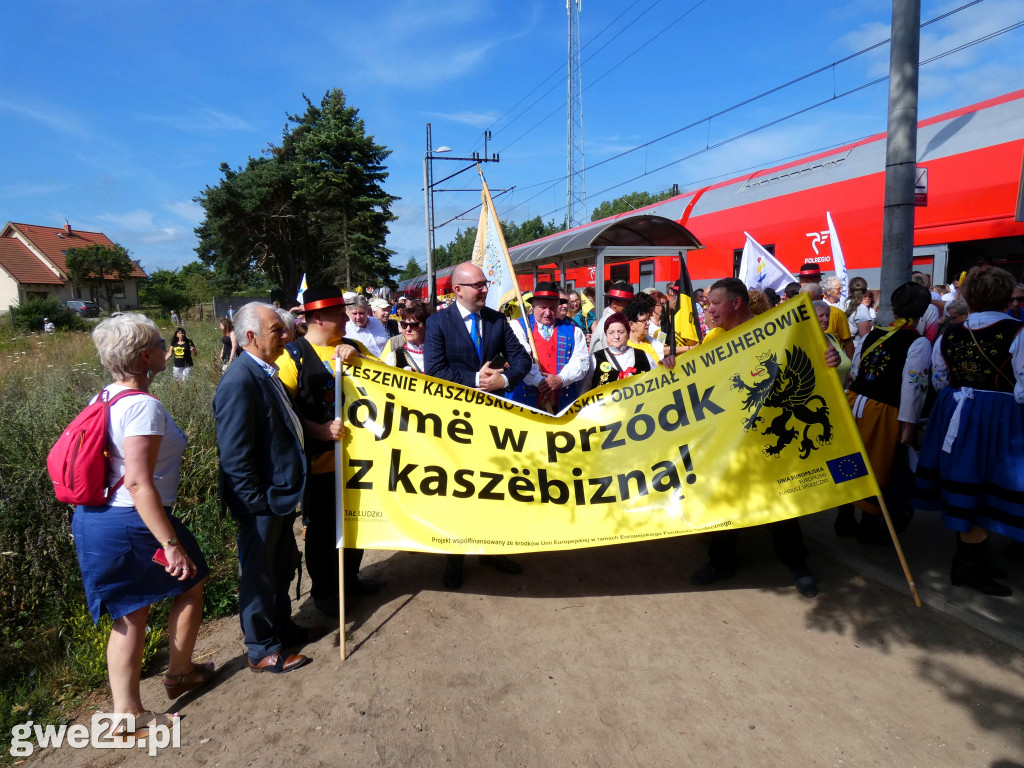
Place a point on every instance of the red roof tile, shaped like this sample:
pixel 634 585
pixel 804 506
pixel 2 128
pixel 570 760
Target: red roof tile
pixel 54 243
pixel 24 265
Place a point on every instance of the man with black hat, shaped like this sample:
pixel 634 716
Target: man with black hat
pixel 306 368
pixel 563 360
pixel 616 299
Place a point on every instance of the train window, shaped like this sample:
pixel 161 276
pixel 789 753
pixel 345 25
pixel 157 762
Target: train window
pixel 619 273
pixel 737 258
pixel 646 274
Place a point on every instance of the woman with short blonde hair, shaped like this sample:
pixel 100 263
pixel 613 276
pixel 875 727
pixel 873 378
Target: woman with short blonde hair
pixel 121 544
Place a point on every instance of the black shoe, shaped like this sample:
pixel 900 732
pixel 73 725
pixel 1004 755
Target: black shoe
pixel 805 582
pixel 709 573
pixel 501 563
pixel 453 574
pixel 971 569
pixel 361 587
pixel 846 521
pixel 329 606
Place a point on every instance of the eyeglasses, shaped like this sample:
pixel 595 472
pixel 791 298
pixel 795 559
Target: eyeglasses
pixel 410 324
pixel 1018 299
pixel 475 286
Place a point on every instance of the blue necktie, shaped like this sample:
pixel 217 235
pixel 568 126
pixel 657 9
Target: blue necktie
pixel 474 333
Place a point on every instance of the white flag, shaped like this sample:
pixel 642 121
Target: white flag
pixel 490 255
pixel 838 262
pixel 302 289
pixel 759 269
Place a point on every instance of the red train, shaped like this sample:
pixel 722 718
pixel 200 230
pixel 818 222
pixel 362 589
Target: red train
pixel 972 161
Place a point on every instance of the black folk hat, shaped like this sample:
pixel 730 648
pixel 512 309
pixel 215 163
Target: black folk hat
pixel 322 297
pixel 620 291
pixel 545 290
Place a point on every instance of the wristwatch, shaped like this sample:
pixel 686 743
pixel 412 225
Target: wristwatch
pixel 170 542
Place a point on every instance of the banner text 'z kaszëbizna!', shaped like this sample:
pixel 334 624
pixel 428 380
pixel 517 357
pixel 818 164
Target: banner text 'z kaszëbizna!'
pixel 749 428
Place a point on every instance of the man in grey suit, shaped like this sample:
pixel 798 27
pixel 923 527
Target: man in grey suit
pixel 262 476
pixel 461 343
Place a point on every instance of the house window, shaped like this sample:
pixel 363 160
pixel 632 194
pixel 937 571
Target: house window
pixel 118 292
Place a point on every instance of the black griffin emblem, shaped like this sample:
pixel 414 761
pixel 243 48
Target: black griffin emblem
pixel 790 390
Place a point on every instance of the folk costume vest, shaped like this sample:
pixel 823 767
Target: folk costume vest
pixel 880 374
pixel 314 395
pixel 981 362
pixel 607 368
pixel 554 354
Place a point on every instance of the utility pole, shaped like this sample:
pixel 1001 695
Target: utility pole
pixel 900 153
pixel 576 188
pixel 428 193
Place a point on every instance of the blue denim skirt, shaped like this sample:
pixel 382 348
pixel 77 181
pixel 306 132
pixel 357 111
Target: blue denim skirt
pixel 115 555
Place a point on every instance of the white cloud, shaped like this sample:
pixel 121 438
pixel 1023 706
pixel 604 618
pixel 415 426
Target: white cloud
pixel 202 120
pixel 51 116
pixel 475 119
pixel 133 221
pixel 190 211
pixel 19 191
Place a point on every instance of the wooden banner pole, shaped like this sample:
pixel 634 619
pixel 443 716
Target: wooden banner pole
pixel 339 501
pixel 899 550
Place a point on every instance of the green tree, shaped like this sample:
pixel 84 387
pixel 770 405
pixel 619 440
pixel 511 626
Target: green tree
pixel 629 202
pixel 167 289
pixel 412 269
pixel 314 205
pixel 101 266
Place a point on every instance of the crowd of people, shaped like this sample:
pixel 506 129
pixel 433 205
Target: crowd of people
pixel 944 382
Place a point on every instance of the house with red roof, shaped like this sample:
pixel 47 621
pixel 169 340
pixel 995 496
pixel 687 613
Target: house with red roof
pixel 33 264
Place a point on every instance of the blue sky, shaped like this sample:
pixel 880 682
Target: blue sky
pixel 116 114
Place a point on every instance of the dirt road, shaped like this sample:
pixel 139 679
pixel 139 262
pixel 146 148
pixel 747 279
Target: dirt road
pixel 606 657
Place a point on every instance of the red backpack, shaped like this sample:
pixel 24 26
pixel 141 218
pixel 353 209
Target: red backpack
pixel 79 460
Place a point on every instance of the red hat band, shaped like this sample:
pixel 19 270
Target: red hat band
pixel 324 304
pixel 617 294
pixel 545 295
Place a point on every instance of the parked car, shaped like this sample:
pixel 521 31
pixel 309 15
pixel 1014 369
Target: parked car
pixel 84 308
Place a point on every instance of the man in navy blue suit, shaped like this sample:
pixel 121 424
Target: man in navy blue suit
pixel 461 343
pixel 262 476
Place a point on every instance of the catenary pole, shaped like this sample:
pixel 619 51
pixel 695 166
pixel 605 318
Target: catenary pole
pixel 900 153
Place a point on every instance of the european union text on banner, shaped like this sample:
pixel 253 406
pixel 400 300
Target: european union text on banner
pixel 847 468
pixel 749 428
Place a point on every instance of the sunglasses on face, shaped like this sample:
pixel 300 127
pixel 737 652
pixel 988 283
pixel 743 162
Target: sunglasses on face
pixel 1018 299
pixel 410 325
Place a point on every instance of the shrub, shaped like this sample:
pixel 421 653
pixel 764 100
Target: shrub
pixel 29 315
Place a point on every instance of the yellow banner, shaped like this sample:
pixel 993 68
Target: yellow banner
pixel 749 428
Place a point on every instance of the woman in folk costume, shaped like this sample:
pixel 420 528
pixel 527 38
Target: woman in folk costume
pixel 406 350
pixel 889 383
pixel 562 359
pixel 972 458
pixel 618 360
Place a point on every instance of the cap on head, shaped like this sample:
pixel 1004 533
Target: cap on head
pixel 379 304
pixel 322 297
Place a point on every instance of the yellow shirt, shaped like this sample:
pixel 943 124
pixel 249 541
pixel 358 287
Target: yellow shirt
pixel 838 324
pixel 288 373
pixel 713 333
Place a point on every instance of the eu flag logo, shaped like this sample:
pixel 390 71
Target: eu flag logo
pixel 847 468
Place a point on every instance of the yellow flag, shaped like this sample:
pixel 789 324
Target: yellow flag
pixel 750 428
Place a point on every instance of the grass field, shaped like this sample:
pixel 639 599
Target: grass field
pixel 53 653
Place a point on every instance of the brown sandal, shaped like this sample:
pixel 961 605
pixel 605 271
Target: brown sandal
pixel 200 675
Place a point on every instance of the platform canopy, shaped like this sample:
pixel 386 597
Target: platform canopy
pixel 624 239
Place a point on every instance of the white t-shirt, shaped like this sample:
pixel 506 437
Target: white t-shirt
pixel 137 415
pixel 374 336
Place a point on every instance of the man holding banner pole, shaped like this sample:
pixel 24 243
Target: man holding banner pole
pixel 729 306
pixel 307 371
pixel 471 344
